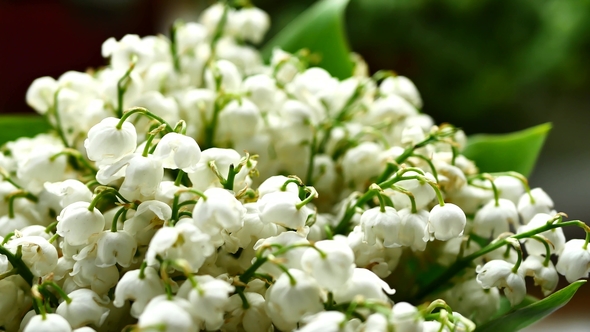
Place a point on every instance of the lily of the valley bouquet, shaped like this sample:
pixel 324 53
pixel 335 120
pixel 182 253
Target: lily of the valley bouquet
pixel 189 185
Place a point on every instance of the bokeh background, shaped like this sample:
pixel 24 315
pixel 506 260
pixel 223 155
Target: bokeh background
pixel 491 66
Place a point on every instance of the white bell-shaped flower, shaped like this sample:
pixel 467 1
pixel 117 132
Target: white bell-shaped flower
pixel 422 191
pixel 544 276
pixel 204 178
pixel 69 191
pixel 446 222
pixel 298 300
pixel 275 183
pixel 413 229
pixel 251 23
pixel 99 279
pixel 262 91
pixel 86 307
pixel 219 211
pixel 226 73
pixel 498 273
pixel 106 143
pixel 49 323
pixel 406 318
pixel 239 119
pixel 390 108
pixel 325 321
pixel 281 209
pixel 115 248
pixel 209 300
pixel 168 316
pixel 39 167
pixel 574 260
pixel 361 163
pixel 252 319
pixel 380 260
pixel 37 253
pixel 127 49
pixel 334 269
pixel 539 203
pixel 469 296
pixel 76 224
pixel 290 259
pixel 184 241
pixel 401 86
pixel 363 283
pixel 177 151
pixel 494 218
pixel 555 236
pixel 190 35
pixel 139 290
pixel 40 95
pixel 15 299
pixel 142 178
pixel 148 218
pixel 381 225
pixel 509 187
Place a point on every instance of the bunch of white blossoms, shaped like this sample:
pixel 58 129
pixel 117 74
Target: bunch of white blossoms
pixel 188 186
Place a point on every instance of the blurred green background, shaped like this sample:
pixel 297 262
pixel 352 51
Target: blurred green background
pixel 490 66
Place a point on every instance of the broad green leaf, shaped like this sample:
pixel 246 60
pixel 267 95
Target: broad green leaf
pixel 523 317
pixel 321 30
pixel 505 305
pixel 15 126
pixel 516 151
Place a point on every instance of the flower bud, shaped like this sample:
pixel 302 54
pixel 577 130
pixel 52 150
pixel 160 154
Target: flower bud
pixel 446 222
pixel 51 323
pixel 298 300
pixel 494 219
pixel 178 151
pixel 332 270
pixel 574 260
pixel 539 203
pixel 168 316
pixel 76 224
pixel 115 248
pixel 498 273
pixel 281 208
pixel 139 291
pixel 69 191
pixel 86 307
pixel 209 300
pixel 363 283
pixel 106 143
pixel 401 86
pixel 544 276
pixel 383 226
pixel 40 94
pixel 406 318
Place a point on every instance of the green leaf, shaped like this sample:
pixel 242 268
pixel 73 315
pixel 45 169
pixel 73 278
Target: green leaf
pixel 523 317
pixel 321 30
pixel 505 305
pixel 516 151
pixel 15 126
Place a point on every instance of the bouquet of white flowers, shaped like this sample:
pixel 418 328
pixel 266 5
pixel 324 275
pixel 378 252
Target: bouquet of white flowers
pixel 190 186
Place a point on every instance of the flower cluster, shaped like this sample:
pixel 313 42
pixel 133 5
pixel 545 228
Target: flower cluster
pixel 188 186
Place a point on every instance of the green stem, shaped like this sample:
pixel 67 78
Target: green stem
pixel 430 164
pixel 466 261
pixel 313 194
pixel 585 246
pixel 382 204
pixel 7 238
pixel 143 111
pixel 58 126
pixel 231 176
pixel 547 249
pixel 312 153
pixel 179 177
pixel 18 264
pixel 78 156
pixel 15 195
pixel 122 88
pixel 58 289
pixel 174 46
pixel 105 192
pixel 116 218
pixel 142 270
pixel 410 196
